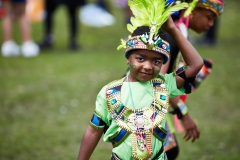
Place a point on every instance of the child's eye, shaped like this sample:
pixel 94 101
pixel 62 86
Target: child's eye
pixel 157 61
pixel 140 59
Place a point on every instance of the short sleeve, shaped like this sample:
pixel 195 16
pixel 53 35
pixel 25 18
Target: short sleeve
pixel 170 81
pixel 101 106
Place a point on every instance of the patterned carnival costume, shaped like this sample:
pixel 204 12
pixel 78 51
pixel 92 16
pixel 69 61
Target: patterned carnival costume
pixel 134 116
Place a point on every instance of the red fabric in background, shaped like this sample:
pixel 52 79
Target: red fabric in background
pixel 1 8
pixel 2 12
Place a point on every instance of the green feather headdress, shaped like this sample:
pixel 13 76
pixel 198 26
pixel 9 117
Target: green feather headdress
pixel 152 13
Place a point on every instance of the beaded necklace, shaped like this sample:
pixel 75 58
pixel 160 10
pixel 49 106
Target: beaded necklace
pixel 135 115
pixel 143 124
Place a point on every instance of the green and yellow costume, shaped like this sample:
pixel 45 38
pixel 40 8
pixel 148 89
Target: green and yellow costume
pixel 142 137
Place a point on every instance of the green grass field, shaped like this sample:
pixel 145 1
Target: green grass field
pixel 46 102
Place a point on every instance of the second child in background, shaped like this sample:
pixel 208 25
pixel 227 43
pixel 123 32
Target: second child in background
pixel 199 17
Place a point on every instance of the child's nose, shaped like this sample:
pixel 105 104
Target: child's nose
pixel 147 65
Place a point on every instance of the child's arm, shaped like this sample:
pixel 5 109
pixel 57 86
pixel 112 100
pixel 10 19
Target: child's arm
pixel 89 142
pixel 190 127
pixel 193 60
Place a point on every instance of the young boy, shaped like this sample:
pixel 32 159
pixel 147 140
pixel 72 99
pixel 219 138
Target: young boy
pixel 131 111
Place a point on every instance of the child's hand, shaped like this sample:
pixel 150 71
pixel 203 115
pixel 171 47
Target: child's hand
pixel 169 25
pixel 191 129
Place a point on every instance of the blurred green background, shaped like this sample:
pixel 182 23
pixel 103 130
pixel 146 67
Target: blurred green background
pixel 46 102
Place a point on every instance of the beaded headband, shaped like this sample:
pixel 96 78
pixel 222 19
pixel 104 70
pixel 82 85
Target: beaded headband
pixel 151 13
pixel 214 5
pixel 142 42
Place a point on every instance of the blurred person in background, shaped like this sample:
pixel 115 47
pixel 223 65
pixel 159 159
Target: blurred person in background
pixel 210 37
pixel 199 17
pixel 16 9
pixel 72 8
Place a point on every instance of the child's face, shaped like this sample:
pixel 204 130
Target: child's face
pixel 144 65
pixel 201 20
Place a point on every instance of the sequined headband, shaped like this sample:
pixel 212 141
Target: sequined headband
pixel 216 6
pixel 145 41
